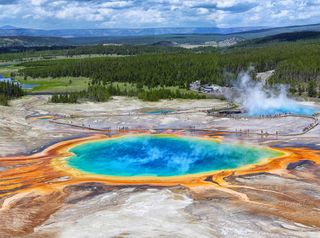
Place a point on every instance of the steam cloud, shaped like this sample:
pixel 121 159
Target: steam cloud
pixel 258 99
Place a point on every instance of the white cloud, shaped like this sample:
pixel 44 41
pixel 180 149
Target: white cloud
pixel 202 11
pixel 38 2
pixel 116 4
pixel 148 13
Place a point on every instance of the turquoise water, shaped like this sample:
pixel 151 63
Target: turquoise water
pixel 162 156
pixel 297 109
pixel 159 111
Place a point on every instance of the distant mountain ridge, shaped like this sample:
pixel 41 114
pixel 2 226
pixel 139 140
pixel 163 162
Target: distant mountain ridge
pixel 245 32
pixel 12 37
pixel 15 31
pixel 287 37
pixel 8 27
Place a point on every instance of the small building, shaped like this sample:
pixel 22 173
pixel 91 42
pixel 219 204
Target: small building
pixel 195 86
pixel 208 89
pixel 212 89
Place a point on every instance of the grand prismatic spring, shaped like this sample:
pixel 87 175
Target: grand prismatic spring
pixel 162 159
pixel 162 156
pixel 200 162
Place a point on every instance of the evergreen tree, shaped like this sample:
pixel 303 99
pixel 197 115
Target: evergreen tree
pixel 312 89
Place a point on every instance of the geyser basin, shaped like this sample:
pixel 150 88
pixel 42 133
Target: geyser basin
pixel 162 156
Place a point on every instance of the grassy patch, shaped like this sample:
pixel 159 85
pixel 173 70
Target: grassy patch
pixel 6 70
pixel 131 86
pixel 54 85
pixel 51 85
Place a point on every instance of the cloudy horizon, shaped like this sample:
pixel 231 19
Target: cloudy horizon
pixel 77 14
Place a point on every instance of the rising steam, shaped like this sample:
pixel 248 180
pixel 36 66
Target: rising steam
pixel 258 99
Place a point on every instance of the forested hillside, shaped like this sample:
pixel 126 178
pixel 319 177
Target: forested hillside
pixel 102 93
pixel 295 63
pixel 148 70
pixel 21 53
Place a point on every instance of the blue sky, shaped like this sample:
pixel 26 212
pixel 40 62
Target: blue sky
pixel 55 14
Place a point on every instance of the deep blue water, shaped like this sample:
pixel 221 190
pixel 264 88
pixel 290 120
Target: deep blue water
pixel 152 155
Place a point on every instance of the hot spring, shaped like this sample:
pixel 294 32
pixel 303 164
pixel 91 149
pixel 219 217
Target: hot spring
pixel 162 156
pixel 293 108
pixel 159 111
